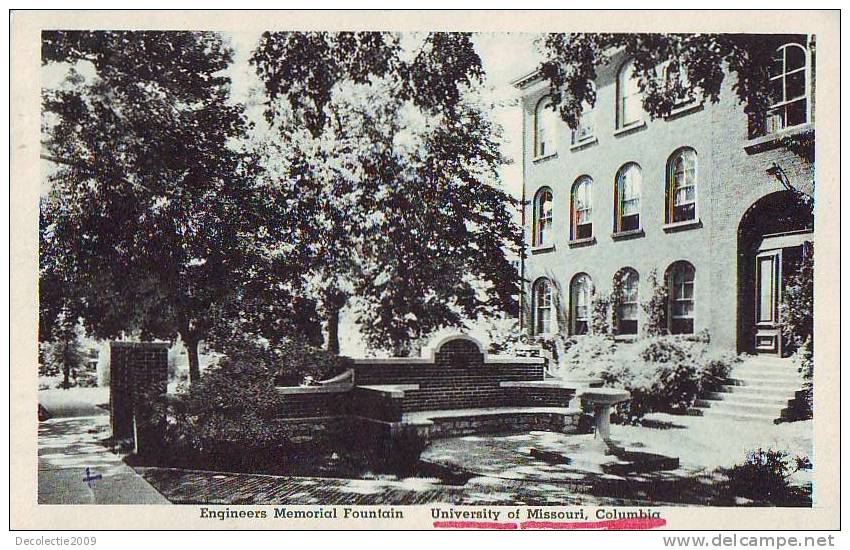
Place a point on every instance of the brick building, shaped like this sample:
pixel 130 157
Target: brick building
pixel 701 196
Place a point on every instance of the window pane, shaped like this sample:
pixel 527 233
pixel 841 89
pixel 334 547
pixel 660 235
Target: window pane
pixel 795 57
pixel 630 223
pixel 795 85
pixel 766 289
pixel 684 213
pixel 796 113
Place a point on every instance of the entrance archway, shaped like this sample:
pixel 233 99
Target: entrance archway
pixel 771 236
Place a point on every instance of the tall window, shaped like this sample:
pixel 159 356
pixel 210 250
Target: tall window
pixel 542 217
pixel 682 186
pixel 581 211
pixel 627 198
pixel 627 308
pixel 586 128
pixel 680 281
pixel 545 128
pixel 788 88
pixel 629 108
pixel 541 303
pixel 581 291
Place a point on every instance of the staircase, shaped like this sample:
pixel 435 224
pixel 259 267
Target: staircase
pixel 759 388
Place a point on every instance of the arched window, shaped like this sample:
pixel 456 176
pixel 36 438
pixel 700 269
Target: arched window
pixel 789 85
pixel 581 291
pixel 627 198
pixel 542 217
pixel 680 292
pixel 627 280
pixel 586 128
pixel 581 223
pixel 682 186
pixel 541 306
pixel 545 128
pixel 629 108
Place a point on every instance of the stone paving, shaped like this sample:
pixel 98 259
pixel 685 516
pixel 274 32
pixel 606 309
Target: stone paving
pixel 74 468
pixel 194 487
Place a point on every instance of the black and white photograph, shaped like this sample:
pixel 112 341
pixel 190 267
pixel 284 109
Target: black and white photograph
pixel 304 275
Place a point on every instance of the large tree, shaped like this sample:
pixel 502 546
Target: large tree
pixel 154 214
pixel 388 161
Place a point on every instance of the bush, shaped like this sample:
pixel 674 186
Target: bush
pixel 663 373
pixel 231 413
pixel 764 478
pixel 291 360
pixel 588 355
pixel 655 307
pixel 803 358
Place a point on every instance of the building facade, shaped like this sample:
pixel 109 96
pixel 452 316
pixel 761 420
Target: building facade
pixel 705 199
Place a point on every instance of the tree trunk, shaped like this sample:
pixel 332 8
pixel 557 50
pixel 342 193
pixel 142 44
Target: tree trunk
pixel 333 329
pixel 194 363
pixel 66 374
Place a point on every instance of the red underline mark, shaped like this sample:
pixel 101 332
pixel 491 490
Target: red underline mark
pixel 623 523
pixel 474 525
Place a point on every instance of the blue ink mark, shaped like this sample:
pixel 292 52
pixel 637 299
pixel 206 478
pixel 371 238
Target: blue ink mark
pixel 89 477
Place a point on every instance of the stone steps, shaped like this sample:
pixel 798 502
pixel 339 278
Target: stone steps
pixel 758 389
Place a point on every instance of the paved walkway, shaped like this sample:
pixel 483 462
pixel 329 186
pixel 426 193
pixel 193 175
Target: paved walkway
pixel 192 487
pixel 74 468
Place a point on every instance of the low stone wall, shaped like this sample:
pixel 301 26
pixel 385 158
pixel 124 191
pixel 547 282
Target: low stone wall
pixel 572 422
pixel 313 401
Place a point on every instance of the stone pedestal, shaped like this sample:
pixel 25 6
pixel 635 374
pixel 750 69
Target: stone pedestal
pixel 602 399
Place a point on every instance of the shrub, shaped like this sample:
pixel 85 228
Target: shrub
pixel 504 335
pixel 655 307
pixel 291 360
pixel 230 409
pixel 588 355
pixel 663 373
pixel 796 310
pixel 601 316
pixel 231 413
pixel 764 477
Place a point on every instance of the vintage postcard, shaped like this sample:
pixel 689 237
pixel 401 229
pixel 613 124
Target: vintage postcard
pixel 425 270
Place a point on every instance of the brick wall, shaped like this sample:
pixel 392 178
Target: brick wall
pixel 458 377
pixel 731 177
pixel 135 368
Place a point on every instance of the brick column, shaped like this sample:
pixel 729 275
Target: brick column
pixel 135 368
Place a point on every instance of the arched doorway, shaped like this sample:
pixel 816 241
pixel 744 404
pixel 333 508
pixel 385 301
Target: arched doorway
pixel 771 237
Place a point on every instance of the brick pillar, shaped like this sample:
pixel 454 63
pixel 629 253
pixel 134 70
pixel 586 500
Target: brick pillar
pixel 134 368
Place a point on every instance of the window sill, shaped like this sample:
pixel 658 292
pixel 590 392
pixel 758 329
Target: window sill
pixel 682 226
pixel 626 338
pixel 539 249
pixel 633 127
pixel 624 235
pixel 587 142
pixel 577 243
pixel 772 141
pixel 541 158
pixel 685 109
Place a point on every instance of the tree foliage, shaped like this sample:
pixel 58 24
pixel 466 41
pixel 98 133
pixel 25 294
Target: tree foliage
pixel 154 215
pixel 571 62
pixel 386 159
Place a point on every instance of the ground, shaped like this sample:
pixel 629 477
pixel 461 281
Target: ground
pixel 500 467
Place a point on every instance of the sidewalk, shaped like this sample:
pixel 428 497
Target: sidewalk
pixel 69 446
